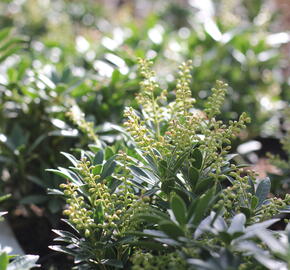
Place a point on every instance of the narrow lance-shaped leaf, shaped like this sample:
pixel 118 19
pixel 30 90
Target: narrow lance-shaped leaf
pixel 179 209
pixel 193 176
pixel 99 157
pixel 263 190
pixel 202 205
pixel 171 229
pixel 237 224
pixel 197 155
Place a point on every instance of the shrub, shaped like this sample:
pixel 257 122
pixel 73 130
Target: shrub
pixel 170 196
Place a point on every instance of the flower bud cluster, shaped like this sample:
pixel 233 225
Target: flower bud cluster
pixel 138 130
pixel 133 204
pixel 101 209
pixel 182 133
pixel 184 125
pixel 147 261
pixel 77 210
pixel 184 100
pixel 273 207
pixel 236 196
pixel 235 127
pixel 78 118
pixel 123 173
pixel 146 97
pixel 217 140
pixel 215 101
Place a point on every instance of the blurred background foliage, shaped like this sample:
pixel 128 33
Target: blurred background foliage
pixel 56 55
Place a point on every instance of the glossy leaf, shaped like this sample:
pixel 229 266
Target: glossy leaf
pixel 99 157
pixel 193 176
pixel 203 205
pixel 25 262
pixel 108 167
pixel 197 155
pixel 263 190
pixel 171 229
pixel 179 209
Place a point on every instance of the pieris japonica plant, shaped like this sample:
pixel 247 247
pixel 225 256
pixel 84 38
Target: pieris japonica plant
pixel 170 195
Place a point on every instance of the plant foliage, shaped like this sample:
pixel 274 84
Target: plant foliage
pixel 171 197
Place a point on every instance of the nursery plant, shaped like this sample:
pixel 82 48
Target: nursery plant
pixel 59 89
pixel 170 196
pixel 38 84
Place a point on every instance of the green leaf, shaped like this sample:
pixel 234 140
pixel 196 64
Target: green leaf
pixel 53 191
pixel 36 181
pixel 148 245
pixel 63 249
pixel 183 193
pixel 238 224
pixel 252 186
pixel 99 213
pixel 159 213
pixel 225 237
pixel 179 161
pixel 171 229
pixel 9 52
pixel 162 167
pixel 4 260
pixel 203 205
pixel 193 176
pixel 5 197
pixel 263 190
pixel 4 33
pixel 97 169
pixel 115 76
pixel 167 185
pixel 179 209
pixel 66 174
pixel 203 185
pixel 65 234
pixel 109 152
pixel 149 218
pixel 71 158
pixel 108 167
pixel 254 202
pixel 25 262
pixel 149 233
pixel 246 211
pixel 191 209
pixel 55 205
pixel 99 157
pixel 9 43
pixel 197 155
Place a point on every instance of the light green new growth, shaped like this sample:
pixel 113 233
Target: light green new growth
pixel 78 118
pixel 178 125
